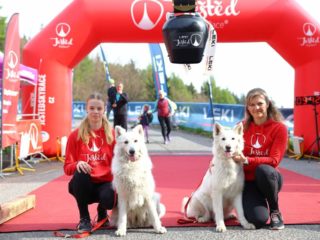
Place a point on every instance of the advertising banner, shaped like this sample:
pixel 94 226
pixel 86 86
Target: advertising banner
pixel 10 83
pixel 104 59
pixel 192 115
pixel 158 68
pixel 30 141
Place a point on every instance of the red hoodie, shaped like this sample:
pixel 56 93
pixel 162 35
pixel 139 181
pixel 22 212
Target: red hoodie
pixel 264 144
pixel 98 153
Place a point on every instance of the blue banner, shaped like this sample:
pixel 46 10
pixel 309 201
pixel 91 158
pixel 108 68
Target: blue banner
pixel 104 59
pixel 192 115
pixel 159 72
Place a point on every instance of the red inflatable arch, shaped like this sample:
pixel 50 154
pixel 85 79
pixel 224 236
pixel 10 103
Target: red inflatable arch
pixel 84 24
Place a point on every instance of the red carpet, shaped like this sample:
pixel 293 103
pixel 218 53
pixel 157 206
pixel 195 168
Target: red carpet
pixel 176 177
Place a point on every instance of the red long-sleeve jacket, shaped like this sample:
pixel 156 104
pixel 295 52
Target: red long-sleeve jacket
pixel 264 144
pixel 98 153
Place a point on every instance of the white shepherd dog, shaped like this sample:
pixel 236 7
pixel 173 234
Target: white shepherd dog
pixel 221 188
pixel 138 203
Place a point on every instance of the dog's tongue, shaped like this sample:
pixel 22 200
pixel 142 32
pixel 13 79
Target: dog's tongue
pixel 132 158
pixel 228 154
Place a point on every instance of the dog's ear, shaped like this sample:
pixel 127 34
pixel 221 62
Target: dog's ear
pixel 119 131
pixel 139 129
pixel 239 128
pixel 217 129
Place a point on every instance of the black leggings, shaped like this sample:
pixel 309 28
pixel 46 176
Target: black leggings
pixel 86 192
pixel 261 193
pixel 165 122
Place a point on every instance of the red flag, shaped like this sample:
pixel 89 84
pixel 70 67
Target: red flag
pixel 11 83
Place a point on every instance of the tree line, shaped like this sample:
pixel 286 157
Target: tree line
pixel 90 76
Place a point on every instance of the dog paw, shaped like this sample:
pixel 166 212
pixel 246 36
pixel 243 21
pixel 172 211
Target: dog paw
pixel 230 216
pixel 221 228
pixel 161 230
pixel 121 232
pixel 249 226
pixel 203 219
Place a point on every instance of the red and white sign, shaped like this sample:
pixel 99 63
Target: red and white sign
pixel 11 83
pixel 30 141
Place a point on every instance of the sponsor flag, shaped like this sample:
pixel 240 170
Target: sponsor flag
pixel 158 68
pixel 10 83
pixel 104 59
pixel 210 113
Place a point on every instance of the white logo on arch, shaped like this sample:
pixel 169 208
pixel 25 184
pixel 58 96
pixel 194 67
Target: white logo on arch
pixel 62 32
pixel 309 29
pixel 311 36
pixel 63 29
pixel 145 23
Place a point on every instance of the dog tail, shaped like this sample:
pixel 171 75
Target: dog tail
pixel 161 209
pixel 185 201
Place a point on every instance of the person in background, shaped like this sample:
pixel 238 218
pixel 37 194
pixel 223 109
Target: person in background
pixel 120 108
pixel 265 137
pixel 112 91
pixel 145 119
pixel 89 153
pixel 165 109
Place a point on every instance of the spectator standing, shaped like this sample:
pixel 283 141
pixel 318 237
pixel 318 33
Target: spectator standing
pixel 120 108
pixel 112 91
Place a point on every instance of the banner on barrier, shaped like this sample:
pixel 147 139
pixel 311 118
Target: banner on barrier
pixel 30 141
pixel 192 115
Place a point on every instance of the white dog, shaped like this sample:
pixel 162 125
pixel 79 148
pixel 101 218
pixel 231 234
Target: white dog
pixel 221 188
pixel 138 203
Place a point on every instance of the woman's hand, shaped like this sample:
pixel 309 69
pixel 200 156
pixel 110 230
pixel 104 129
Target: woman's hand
pixel 83 167
pixel 240 158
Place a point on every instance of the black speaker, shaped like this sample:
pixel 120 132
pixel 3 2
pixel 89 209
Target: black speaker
pixel 185 38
